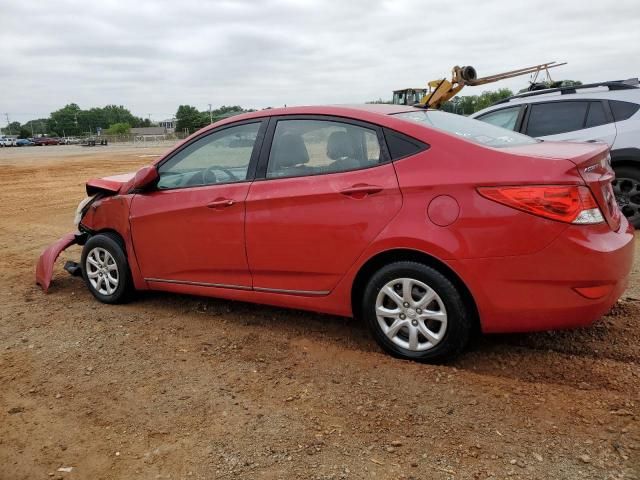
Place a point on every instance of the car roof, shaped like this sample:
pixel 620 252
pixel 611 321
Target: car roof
pixel 602 91
pixel 362 111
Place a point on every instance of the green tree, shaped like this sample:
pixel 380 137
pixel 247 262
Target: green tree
pixel 38 127
pixel 68 119
pixel 190 119
pixel 549 84
pixel 12 129
pixel 121 128
pixel 24 133
pixel 468 104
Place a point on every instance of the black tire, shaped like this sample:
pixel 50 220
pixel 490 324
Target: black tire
pixel 112 244
pixel 458 327
pixel 627 181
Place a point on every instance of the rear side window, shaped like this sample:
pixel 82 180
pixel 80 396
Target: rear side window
pixel 401 146
pixel 311 147
pixel 557 117
pixel 596 115
pixel 505 118
pixel 623 110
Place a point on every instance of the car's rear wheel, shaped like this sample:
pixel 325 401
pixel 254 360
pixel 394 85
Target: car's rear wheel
pixel 626 188
pixel 105 269
pixel 416 312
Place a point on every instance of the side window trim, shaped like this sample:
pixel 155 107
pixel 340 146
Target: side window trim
pixel 251 171
pixel 263 161
pixel 420 145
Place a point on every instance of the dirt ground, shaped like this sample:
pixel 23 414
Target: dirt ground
pixel 182 387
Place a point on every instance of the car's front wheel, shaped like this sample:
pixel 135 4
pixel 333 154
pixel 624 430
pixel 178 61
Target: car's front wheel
pixel 416 312
pixel 105 269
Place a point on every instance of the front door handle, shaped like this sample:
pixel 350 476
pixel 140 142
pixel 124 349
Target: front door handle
pixel 220 203
pixel 361 190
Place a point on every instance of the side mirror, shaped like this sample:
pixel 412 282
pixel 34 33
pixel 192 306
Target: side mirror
pixel 145 178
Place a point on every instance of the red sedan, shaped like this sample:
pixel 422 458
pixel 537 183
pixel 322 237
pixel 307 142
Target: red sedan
pixel 44 141
pixel 425 224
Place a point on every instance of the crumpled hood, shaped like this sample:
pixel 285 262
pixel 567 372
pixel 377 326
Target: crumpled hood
pixel 110 185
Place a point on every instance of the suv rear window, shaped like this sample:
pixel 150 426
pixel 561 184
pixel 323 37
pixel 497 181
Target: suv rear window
pixel 467 128
pixel 623 110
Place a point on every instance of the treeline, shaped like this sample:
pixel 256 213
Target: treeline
pixel 71 120
pixel 190 119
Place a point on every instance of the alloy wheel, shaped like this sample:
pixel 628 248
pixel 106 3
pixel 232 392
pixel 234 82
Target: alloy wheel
pixel 411 314
pixel 102 271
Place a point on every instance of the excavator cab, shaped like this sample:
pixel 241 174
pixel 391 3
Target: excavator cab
pixel 409 96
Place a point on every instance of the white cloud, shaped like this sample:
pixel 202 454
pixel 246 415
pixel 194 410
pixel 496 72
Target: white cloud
pixel 153 55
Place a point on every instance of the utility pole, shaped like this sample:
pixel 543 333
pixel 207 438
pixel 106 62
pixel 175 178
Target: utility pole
pixel 210 115
pixel 8 123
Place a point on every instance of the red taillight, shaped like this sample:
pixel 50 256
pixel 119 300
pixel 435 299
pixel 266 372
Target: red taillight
pixel 564 203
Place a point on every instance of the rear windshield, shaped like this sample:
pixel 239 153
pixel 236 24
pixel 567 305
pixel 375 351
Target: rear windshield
pixel 468 128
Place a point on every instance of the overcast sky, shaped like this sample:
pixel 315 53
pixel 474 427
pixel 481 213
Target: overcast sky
pixel 152 55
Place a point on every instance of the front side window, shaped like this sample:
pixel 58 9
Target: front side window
pixel 467 128
pixel 557 117
pixel 311 147
pixel 220 157
pixel 505 118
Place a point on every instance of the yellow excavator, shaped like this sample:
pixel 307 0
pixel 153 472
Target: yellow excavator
pixel 439 91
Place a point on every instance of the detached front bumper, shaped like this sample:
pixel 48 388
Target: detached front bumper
pixel 44 268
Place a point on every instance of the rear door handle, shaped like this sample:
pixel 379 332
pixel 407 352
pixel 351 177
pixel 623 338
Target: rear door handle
pixel 220 203
pixel 361 190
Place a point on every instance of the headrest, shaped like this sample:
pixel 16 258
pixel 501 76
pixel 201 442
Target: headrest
pixel 339 146
pixel 289 150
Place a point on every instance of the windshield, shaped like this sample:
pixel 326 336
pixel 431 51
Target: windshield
pixel 469 129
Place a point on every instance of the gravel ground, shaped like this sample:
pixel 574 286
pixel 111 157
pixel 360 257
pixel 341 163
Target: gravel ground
pixel 183 387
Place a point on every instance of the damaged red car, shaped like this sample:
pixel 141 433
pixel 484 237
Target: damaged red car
pixel 425 224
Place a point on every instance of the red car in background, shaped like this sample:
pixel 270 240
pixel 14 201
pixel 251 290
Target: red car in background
pixel 425 224
pixel 44 141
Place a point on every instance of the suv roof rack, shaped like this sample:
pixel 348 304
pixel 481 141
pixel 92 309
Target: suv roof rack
pixel 612 85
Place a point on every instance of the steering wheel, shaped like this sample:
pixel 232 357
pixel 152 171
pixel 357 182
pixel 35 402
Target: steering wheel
pixel 209 171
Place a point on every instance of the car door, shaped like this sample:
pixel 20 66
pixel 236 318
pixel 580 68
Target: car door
pixel 190 229
pixel 324 190
pixel 571 120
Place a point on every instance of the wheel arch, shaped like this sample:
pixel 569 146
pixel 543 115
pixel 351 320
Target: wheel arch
pixel 380 259
pixel 621 157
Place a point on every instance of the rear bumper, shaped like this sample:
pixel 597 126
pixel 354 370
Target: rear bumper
pixel 541 291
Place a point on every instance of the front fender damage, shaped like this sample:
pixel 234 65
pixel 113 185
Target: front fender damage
pixel 44 268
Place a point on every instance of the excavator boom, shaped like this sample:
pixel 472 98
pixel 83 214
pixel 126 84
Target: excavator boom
pixel 439 91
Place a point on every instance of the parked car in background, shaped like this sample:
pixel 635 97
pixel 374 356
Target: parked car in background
pixel 425 224
pixel 69 141
pixel 24 142
pixel 606 112
pixel 44 141
pixel 7 141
